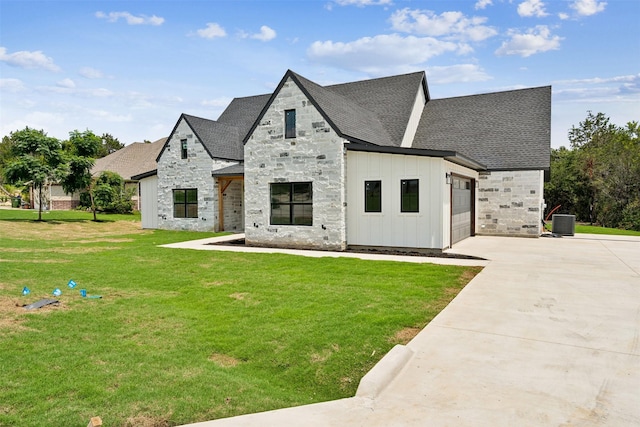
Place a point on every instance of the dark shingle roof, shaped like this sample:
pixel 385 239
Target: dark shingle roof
pixel 242 112
pixel 233 170
pixel 372 111
pixel 502 130
pixel 222 141
pixel 349 119
pixel 391 99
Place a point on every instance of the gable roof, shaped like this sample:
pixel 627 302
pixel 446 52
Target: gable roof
pixel 507 130
pixel 222 141
pixel 131 160
pixel 391 99
pixel 372 111
pixel 222 138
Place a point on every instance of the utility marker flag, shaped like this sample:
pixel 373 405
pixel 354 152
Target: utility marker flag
pixel 71 284
pixel 26 291
pixel 57 292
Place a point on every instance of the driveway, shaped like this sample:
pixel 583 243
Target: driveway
pixel 548 334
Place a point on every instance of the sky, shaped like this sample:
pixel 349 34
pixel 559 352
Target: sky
pixel 130 68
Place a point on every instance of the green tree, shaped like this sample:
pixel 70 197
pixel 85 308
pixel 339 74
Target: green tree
pixel 37 159
pixel 599 178
pixel 109 145
pixel 83 147
pixel 110 194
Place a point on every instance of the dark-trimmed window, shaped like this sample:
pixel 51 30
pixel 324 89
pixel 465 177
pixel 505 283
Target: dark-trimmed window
pixel 183 148
pixel 291 203
pixel 290 123
pixel 185 203
pixel 409 195
pixel 373 196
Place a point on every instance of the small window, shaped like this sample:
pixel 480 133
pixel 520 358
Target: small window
pixel 183 145
pixel 185 203
pixel 291 203
pixel 373 196
pixel 409 195
pixel 290 124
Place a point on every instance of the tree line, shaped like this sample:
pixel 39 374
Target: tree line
pixel 30 157
pixel 598 178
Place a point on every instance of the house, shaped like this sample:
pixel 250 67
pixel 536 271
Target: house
pixel 130 160
pixel 374 163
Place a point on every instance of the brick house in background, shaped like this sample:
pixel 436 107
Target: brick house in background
pixel 130 160
pixel 367 163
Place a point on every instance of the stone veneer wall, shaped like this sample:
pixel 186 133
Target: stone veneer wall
pixel 316 155
pixel 510 203
pixel 192 172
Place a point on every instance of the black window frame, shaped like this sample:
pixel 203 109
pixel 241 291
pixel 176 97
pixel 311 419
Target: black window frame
pixel 289 123
pixel 183 149
pixel 181 209
pixel 406 204
pixel 294 204
pixel 373 196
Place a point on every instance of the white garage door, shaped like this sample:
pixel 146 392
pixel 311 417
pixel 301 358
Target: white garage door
pixel 460 209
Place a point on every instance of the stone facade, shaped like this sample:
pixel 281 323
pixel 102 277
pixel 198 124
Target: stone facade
pixel 315 155
pixel 510 203
pixel 174 172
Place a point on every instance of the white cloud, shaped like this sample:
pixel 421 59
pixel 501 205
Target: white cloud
pixel 453 25
pixel 481 4
pixel 11 85
pixel 212 31
pixel 131 19
pixel 563 16
pixel 379 54
pixel 66 83
pixel 26 59
pixel 588 7
pixel 464 73
pixel 264 35
pixel 601 80
pixel 109 116
pixel 532 8
pixel 91 73
pixel 535 40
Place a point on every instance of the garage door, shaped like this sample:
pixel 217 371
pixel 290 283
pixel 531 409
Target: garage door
pixel 460 209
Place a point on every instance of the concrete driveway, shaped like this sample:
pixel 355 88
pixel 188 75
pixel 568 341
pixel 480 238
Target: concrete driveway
pixel 548 334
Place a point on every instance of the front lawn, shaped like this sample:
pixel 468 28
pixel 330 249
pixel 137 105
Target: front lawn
pixel 182 336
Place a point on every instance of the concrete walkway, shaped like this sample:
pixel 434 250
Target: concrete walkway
pixel 548 334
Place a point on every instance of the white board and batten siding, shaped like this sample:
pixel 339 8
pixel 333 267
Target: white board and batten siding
pixel 149 205
pixel 430 227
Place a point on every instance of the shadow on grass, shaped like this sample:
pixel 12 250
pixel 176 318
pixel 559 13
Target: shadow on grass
pixel 55 221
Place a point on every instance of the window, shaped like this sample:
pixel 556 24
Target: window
pixel 291 203
pixel 373 196
pixel 409 195
pixel 290 124
pixel 183 145
pixel 185 203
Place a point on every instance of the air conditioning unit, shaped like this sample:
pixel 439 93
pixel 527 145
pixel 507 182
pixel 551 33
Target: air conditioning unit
pixel 564 225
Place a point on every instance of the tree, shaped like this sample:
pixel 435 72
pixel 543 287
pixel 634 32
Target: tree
pixel 109 145
pixel 110 194
pixel 37 158
pixel 599 178
pixel 83 149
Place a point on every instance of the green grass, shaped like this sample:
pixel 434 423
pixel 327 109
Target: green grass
pixel 184 336
pixel 594 229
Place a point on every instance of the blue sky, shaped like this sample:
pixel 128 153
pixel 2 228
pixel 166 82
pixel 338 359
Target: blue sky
pixel 130 68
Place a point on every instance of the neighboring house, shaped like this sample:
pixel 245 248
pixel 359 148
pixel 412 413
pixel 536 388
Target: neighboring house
pixel 130 160
pixel 368 163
